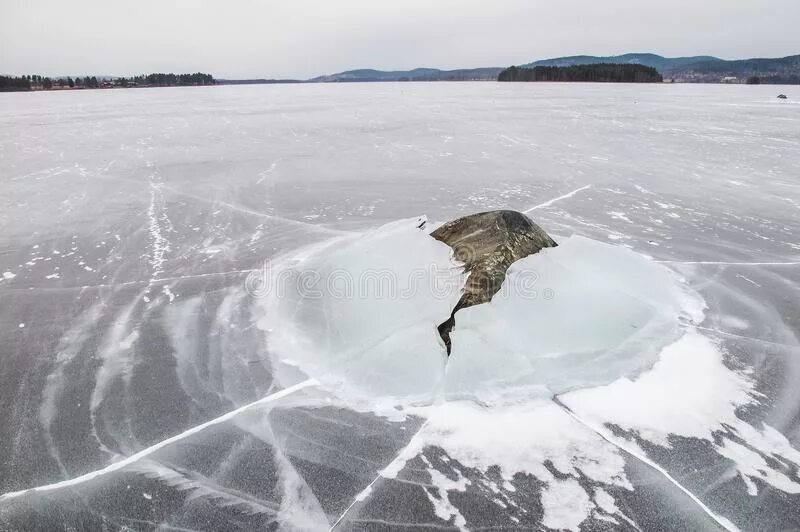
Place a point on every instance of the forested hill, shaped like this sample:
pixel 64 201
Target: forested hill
pixel 696 69
pixel 658 62
pixel 602 72
pixel 784 70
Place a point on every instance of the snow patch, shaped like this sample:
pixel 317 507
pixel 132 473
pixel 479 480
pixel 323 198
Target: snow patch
pixel 521 438
pixel 620 216
pixel 566 504
pixel 701 403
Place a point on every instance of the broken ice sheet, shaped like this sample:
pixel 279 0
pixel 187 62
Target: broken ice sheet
pixel 581 314
pixel 366 325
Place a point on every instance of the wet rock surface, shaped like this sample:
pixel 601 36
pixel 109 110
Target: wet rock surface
pixel 488 243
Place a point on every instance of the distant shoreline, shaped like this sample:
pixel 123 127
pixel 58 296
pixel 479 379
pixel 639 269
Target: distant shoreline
pixel 36 82
pixel 81 89
pixel 110 87
pixel 231 83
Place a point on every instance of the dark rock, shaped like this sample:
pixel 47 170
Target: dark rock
pixel 783 97
pixel 488 243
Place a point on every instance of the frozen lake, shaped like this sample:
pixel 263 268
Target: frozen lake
pixel 146 382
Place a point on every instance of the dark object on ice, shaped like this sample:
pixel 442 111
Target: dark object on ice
pixel 782 97
pixel 488 243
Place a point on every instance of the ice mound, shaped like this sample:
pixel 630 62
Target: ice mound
pixel 581 314
pixel 361 316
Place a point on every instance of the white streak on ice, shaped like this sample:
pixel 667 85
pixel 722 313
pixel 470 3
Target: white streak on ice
pixel 300 510
pixel 69 346
pixel 718 263
pixel 554 200
pixel 149 282
pixel 116 361
pixel 412 448
pixel 748 280
pixel 200 486
pixel 263 175
pixel 116 466
pixel 617 215
pixel 636 452
pixel 158 225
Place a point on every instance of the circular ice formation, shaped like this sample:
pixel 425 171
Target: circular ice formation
pixel 361 316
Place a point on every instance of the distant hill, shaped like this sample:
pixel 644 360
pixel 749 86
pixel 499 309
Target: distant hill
pixel 651 60
pixel 697 69
pixel 694 69
pixel 417 74
pixel 785 70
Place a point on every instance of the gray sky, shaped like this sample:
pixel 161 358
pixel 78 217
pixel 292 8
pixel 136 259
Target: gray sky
pixel 304 38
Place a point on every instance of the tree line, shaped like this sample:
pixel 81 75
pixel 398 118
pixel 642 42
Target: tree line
pixel 167 80
pixel 600 72
pixel 37 82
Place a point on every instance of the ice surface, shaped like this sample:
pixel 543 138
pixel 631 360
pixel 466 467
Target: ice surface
pixel 180 195
pixel 362 317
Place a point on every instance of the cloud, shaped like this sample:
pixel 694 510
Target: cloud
pixel 303 38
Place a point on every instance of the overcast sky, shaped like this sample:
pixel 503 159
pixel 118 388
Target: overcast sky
pixel 304 38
